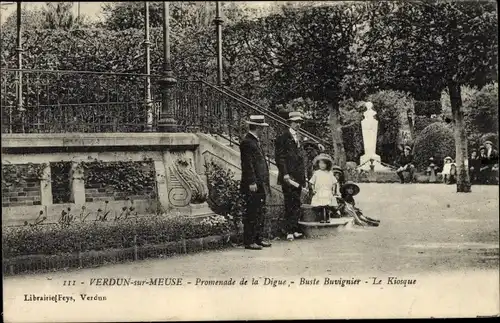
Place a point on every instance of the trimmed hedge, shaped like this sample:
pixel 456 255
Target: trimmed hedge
pixel 422 122
pixel 95 236
pixel 437 141
pixel 224 195
pixel 427 108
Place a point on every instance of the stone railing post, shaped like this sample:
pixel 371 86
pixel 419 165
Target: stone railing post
pixel 161 183
pixel 77 184
pixel 46 186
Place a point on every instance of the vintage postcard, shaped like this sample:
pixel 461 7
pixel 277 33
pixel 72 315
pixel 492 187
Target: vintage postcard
pixel 238 160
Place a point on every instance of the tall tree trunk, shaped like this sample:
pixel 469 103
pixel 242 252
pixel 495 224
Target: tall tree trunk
pixel 463 180
pixel 339 156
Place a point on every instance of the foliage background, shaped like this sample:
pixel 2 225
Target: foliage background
pixel 436 141
pixel 329 55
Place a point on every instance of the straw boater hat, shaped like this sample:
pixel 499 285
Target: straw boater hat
pixel 487 142
pixel 448 158
pixel 350 184
pixel 482 148
pixel 295 116
pixel 324 157
pixel 257 120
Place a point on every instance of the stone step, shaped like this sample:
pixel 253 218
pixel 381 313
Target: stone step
pixel 317 229
pixel 233 146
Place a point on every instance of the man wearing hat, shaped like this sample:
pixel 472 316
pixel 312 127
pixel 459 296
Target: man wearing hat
pixel 405 164
pixel 290 159
pixel 254 183
pixel 491 161
pixel 474 166
pixel 483 165
pixel 491 152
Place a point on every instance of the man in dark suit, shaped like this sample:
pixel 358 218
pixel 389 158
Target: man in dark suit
pixel 474 167
pixel 290 159
pixel 405 163
pixel 491 163
pixel 255 184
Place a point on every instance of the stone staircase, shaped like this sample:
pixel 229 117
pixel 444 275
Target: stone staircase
pixel 234 146
pixel 219 150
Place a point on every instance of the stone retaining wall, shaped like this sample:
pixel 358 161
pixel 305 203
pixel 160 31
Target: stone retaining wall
pixel 173 156
pixel 26 193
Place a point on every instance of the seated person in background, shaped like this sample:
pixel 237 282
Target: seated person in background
pixel 324 187
pixel 453 173
pixel 483 161
pixel 491 153
pixel 405 164
pixel 474 166
pixel 447 173
pixel 339 175
pixel 490 161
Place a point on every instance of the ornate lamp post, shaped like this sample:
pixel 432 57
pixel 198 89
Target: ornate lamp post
pixel 147 45
pixel 218 23
pixel 19 49
pixel 167 123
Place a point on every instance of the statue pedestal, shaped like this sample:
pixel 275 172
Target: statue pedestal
pixel 370 161
pixel 365 163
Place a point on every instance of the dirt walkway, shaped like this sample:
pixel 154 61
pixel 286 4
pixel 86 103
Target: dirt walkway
pixel 447 242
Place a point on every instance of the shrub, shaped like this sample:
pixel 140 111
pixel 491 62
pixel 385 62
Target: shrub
pixel 481 111
pixel 224 195
pixel 422 122
pixel 86 236
pixel 480 108
pixel 352 134
pixel 427 108
pixel 437 141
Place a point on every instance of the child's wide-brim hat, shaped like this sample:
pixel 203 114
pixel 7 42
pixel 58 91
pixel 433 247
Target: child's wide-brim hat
pixel 448 158
pixel 295 116
pixel 336 168
pixel 488 142
pixel 408 148
pixel 352 185
pixel 323 157
pixel 257 120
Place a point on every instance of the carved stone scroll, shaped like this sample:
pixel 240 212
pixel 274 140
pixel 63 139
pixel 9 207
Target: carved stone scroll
pixel 186 186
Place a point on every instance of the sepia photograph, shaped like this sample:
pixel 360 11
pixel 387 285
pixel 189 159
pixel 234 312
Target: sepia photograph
pixel 249 160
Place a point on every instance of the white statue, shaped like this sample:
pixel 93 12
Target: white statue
pixel 369 127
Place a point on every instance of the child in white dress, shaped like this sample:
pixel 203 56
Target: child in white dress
pixel 324 187
pixel 448 170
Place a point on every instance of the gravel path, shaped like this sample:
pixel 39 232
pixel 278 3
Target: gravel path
pixel 447 241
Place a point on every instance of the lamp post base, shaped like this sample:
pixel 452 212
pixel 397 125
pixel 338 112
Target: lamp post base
pixel 167 124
